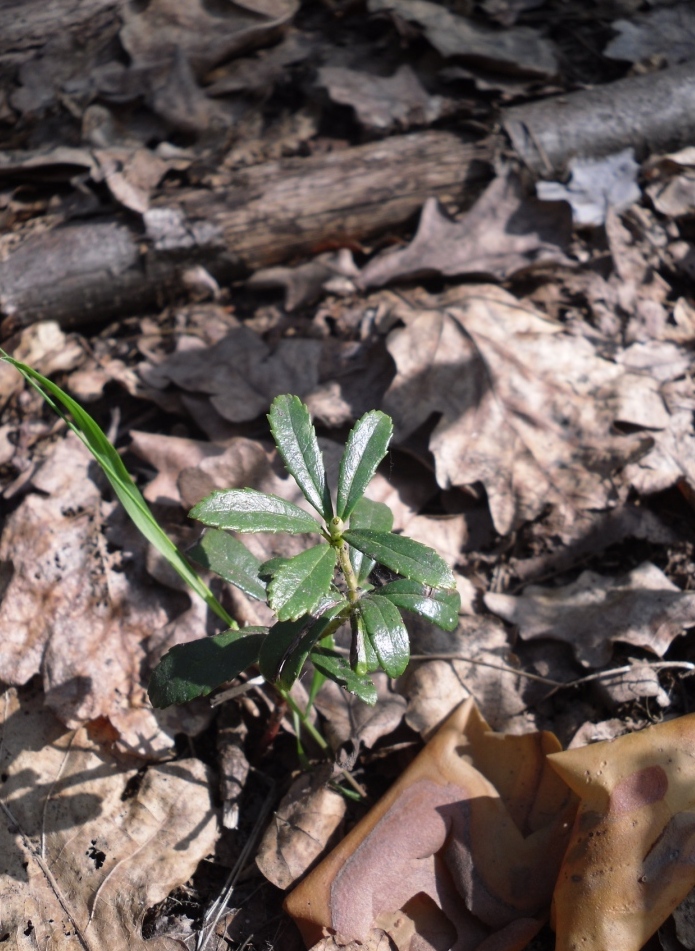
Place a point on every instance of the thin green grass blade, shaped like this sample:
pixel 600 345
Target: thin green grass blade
pixel 95 439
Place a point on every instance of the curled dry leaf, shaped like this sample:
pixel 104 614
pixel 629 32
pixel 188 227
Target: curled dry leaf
pixel 305 283
pixel 527 407
pixel 384 103
pixel 81 860
pixel 672 459
pixel 167 29
pixel 504 232
pixel 307 819
pixel 668 32
pixel 518 50
pixel 477 824
pixel 631 858
pixel 641 607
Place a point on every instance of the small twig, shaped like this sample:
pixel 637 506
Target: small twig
pixel 350 779
pixel 48 875
pixel 216 910
pixel 231 692
pixel 558 684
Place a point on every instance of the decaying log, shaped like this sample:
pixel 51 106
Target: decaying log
pixel 652 113
pixel 96 270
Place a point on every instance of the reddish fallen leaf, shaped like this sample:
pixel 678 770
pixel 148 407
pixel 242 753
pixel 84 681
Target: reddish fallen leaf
pixel 631 858
pixel 477 823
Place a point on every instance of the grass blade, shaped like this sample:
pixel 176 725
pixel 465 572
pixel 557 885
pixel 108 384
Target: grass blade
pixel 95 439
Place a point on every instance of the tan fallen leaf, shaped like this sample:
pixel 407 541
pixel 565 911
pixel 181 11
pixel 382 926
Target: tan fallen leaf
pixel 640 682
pixel 642 608
pixel 74 612
pixel 527 407
pixel 82 859
pixel 434 688
pixel 165 28
pixel 301 829
pixel 595 185
pixel 384 103
pixel 305 283
pixel 518 50
pixel 477 823
pixel 631 858
pixel 45 347
pixel 507 11
pixel 447 533
pixel 169 455
pixel 348 719
pixel 667 32
pixel 504 232
pixel 672 458
pixel 376 940
pixel 131 175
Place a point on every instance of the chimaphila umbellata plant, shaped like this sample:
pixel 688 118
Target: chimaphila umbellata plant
pixel 325 586
pixel 311 594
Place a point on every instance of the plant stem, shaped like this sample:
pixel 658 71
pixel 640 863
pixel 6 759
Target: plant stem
pixel 348 573
pixel 309 727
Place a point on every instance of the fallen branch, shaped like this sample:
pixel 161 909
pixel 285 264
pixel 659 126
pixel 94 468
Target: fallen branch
pixel 99 270
pixel 651 114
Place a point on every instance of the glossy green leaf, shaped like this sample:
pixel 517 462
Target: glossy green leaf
pixel 387 633
pixel 402 555
pixel 363 659
pixel 193 670
pixel 368 514
pixel 336 668
pixel 231 560
pixel 364 450
pixel 269 567
pixel 439 605
pixel 288 643
pixel 299 583
pixel 295 438
pixel 246 510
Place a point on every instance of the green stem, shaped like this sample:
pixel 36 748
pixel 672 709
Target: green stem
pixel 348 573
pixel 309 727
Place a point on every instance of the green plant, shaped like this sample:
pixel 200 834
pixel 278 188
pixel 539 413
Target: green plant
pixel 312 594
pixel 327 585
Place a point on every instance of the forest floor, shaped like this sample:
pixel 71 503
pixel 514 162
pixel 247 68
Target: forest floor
pixel 529 331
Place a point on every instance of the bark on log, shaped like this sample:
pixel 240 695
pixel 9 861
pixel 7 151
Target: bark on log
pixel 98 270
pixel 652 114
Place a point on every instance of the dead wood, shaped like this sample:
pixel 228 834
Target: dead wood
pixel 101 269
pixel 651 113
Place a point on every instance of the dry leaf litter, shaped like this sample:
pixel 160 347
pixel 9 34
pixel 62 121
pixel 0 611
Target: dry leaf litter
pixel 532 342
